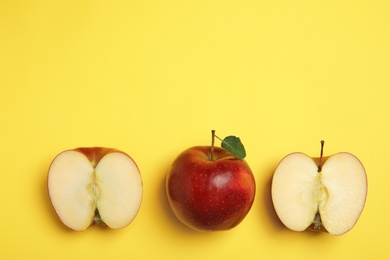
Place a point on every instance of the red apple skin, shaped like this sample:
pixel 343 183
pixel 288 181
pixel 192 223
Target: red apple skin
pixel 210 195
pixel 95 154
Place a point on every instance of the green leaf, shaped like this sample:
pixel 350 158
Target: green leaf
pixel 233 144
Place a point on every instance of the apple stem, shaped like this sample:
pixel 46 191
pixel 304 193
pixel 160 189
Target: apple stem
pixel 321 154
pixel 212 145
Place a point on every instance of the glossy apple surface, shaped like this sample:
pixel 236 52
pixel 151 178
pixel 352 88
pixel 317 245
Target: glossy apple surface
pixel 210 195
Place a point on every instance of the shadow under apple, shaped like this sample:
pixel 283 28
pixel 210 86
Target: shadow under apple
pixel 268 204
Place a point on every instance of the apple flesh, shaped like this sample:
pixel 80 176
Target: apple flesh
pixel 93 185
pixel 325 194
pixel 210 194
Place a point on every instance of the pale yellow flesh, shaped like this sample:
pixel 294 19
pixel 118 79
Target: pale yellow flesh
pixel 76 189
pixel 345 179
pixel 120 190
pixel 338 192
pixel 70 175
pixel 295 191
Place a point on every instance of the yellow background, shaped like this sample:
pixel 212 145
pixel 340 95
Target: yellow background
pixel 152 78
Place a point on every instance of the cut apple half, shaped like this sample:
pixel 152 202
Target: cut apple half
pixel 93 185
pixel 326 194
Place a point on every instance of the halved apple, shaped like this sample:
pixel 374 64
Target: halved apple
pixel 325 193
pixel 93 185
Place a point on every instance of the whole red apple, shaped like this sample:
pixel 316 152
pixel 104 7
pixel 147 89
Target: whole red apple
pixel 210 189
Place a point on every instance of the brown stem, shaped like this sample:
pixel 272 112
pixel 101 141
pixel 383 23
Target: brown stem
pixel 212 145
pixel 321 154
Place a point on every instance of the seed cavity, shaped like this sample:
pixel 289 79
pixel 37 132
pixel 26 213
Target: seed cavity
pixel 93 190
pixel 317 221
pixel 322 197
